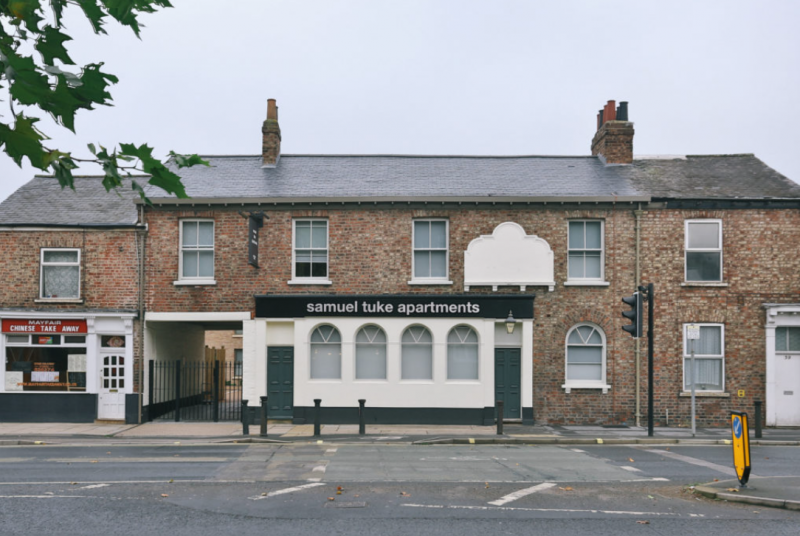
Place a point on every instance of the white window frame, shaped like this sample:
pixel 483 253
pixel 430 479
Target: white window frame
pixel 415 280
pixel 687 355
pixel 589 280
pixel 785 352
pixel 602 383
pixel 42 265
pixel 196 280
pixel 325 343
pixel 432 379
pixel 687 250
pixel 477 345
pixel 356 344
pixel 296 280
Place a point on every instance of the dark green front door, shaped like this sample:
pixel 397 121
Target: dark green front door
pixel 507 368
pixel 280 382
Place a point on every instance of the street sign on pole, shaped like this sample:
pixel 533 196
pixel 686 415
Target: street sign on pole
pixel 693 334
pixel 741 446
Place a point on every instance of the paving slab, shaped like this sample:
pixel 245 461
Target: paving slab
pixel 772 491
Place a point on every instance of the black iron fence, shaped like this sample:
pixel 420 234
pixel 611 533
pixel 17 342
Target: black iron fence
pixel 194 391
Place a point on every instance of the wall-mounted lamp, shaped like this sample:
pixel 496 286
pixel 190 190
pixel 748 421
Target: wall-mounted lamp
pixel 510 322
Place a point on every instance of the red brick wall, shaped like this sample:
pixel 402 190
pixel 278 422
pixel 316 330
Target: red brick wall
pixel 370 253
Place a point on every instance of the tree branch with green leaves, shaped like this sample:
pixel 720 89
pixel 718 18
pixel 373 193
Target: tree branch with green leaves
pixel 46 81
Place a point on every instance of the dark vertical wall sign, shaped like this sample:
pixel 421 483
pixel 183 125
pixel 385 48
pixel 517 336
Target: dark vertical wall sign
pixel 256 221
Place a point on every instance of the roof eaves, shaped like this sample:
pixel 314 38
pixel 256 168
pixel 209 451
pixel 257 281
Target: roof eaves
pixel 403 199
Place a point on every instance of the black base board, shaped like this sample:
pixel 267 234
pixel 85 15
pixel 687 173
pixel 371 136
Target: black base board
pixel 48 407
pixel 349 415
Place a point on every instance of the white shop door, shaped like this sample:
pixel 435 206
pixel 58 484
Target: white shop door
pixel 787 396
pixel 111 398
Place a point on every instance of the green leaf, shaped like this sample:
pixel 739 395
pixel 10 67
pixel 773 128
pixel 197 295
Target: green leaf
pixel 24 140
pixel 187 160
pixel 160 176
pixel 92 148
pixel 94 13
pixel 62 170
pixel 26 11
pixel 51 46
pixel 93 86
pixel 138 189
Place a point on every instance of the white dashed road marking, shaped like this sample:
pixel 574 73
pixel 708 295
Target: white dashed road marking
pixel 694 461
pixel 284 491
pixel 569 510
pixel 629 468
pixel 522 493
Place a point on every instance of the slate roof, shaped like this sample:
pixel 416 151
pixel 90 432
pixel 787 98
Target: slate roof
pixel 43 202
pixel 407 178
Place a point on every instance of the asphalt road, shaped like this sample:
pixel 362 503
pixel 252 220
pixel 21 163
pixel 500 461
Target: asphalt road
pixel 385 489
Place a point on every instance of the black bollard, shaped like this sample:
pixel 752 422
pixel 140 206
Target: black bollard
pixel 264 416
pixel 499 417
pixel 317 402
pixel 361 426
pixel 245 419
pixel 758 419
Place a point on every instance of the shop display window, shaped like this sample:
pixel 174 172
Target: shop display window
pixel 45 363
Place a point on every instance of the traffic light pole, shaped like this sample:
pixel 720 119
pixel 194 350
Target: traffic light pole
pixel 650 389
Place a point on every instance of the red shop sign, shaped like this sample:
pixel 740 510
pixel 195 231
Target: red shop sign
pixel 37 325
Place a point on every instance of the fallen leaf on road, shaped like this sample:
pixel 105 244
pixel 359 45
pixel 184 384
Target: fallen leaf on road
pixel 164 495
pixel 264 494
pixel 171 481
pixel 630 459
pixel 404 494
pixel 643 522
pixel 331 498
pixel 338 492
pixel 356 495
pixel 566 488
pixel 667 448
pixel 339 488
pixel 650 497
pixel 716 480
pixel 93 461
pixel 733 490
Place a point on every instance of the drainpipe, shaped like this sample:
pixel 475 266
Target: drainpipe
pixel 139 238
pixel 638 275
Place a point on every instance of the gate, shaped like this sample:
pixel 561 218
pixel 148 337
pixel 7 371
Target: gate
pixel 194 391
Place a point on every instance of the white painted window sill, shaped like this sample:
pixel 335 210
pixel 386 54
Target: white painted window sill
pixel 377 381
pixel 309 282
pixel 58 300
pixel 325 380
pixel 568 387
pixel 463 382
pixel 704 284
pixel 704 394
pixel 430 282
pixel 417 382
pixel 194 282
pixel 577 283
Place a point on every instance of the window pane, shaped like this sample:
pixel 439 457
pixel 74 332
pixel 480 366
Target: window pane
pixel 593 265
pixel 576 266
pixel 438 264
pixel 43 368
pixel 584 354
pixel 781 338
pixel 206 233
pixel 422 260
pixel 302 255
pixel 704 235
pixel 593 240
pixel 319 270
pixel 576 235
pixel 710 342
pixel 574 337
pixel 206 263
pixel 319 234
pixel 302 234
pixel 326 361
pixel 703 266
pixel 60 256
pixel 190 263
pixel 417 362
pixel 794 339
pixel 189 233
pixel 421 234
pixel 60 282
pixel 439 234
pixel 303 269
pixel 370 361
pixel 462 361
pixel 584 372
pixel 708 373
pixel 417 334
pixel 319 256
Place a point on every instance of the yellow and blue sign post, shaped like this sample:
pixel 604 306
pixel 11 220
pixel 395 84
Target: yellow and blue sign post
pixel 741 446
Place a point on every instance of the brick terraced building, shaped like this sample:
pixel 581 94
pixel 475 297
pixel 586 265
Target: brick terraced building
pixel 391 278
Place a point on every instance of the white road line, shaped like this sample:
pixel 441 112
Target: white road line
pixel 577 450
pixel 48 497
pixel 319 469
pixel 694 461
pixel 629 468
pixel 314 479
pixel 95 486
pixel 331 451
pixel 284 491
pixel 570 510
pixel 522 493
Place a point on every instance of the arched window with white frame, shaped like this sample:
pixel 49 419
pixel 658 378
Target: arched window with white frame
pixel 462 354
pixel 371 353
pixel 416 349
pixel 326 353
pixel 586 358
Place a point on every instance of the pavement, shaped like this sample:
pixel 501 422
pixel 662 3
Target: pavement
pixel 779 492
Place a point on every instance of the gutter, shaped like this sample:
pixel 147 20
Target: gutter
pixel 395 200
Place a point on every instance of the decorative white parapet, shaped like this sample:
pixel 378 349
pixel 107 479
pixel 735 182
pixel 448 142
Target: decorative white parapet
pixel 509 257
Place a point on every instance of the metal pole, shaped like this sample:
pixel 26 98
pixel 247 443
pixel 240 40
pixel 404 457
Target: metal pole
pixel 151 367
pixel 362 428
pixel 245 419
pixel 215 392
pixel 650 387
pixel 758 419
pixel 692 377
pixel 499 404
pixel 178 390
pixel 317 402
pixel 264 416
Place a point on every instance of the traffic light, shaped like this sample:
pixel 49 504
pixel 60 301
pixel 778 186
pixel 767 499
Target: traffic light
pixel 634 315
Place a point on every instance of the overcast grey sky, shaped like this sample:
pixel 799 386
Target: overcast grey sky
pixel 447 77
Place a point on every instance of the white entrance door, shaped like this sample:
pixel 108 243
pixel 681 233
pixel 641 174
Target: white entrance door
pixel 787 387
pixel 111 398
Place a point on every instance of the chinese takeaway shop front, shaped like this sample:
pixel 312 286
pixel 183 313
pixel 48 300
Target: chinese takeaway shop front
pixel 67 367
pixel 415 359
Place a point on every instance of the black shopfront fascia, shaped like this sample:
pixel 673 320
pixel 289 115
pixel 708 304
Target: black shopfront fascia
pixel 395 306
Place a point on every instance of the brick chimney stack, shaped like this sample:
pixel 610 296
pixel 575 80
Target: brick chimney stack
pixel 271 140
pixel 613 141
